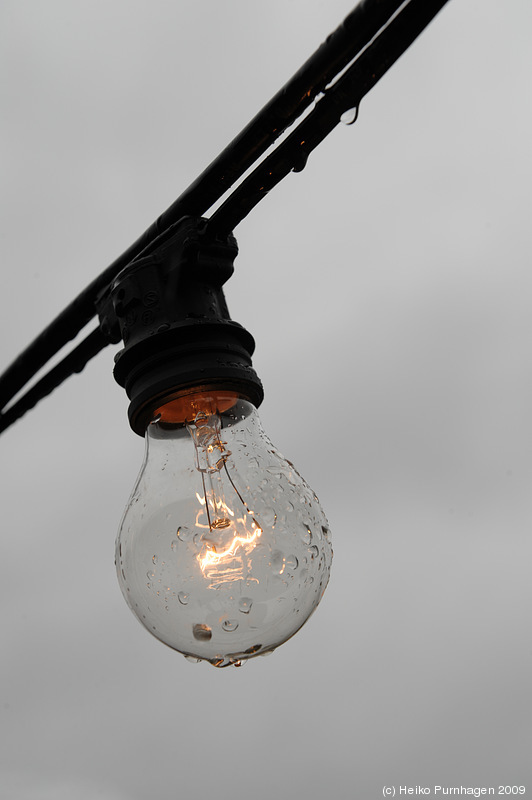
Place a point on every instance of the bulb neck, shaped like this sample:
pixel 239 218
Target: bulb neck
pixel 175 324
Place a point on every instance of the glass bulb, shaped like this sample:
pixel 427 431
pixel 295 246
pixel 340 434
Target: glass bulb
pixel 224 551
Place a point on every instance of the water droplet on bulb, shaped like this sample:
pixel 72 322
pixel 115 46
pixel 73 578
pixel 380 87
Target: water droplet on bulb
pixel 201 632
pixel 306 533
pixel 174 544
pixel 313 551
pixel 268 517
pixel 183 598
pixel 193 659
pixel 150 574
pixel 277 562
pixel 222 662
pixel 245 605
pixel 154 559
pixel 184 533
pixel 291 562
pixel 229 625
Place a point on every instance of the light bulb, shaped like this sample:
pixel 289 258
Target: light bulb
pixel 224 551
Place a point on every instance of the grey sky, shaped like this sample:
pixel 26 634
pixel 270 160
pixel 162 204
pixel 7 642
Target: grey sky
pixel 388 290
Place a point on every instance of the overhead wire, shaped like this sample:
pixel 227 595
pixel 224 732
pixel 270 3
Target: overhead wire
pixel 335 78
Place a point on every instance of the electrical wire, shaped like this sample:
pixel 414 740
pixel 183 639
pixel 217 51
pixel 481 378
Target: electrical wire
pixel 343 96
pixel 279 113
pixel 378 32
pixel 75 361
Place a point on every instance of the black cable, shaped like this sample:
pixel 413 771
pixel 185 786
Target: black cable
pixel 354 37
pixel 344 95
pixel 281 111
pixel 73 362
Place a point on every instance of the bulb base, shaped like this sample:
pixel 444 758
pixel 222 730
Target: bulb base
pixel 188 357
pixel 175 324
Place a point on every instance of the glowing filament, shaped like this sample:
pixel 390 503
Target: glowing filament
pixel 215 558
pixel 226 541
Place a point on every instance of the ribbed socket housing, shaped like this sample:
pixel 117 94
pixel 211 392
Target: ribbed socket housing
pixel 175 324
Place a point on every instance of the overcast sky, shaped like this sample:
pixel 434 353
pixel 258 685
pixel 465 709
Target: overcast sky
pixel 388 289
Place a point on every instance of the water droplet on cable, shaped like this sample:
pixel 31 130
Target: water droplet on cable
pixel 349 116
pixel 201 632
pixel 229 625
pixel 300 159
pixel 245 604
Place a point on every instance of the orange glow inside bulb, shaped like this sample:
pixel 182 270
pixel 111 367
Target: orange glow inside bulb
pixel 185 407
